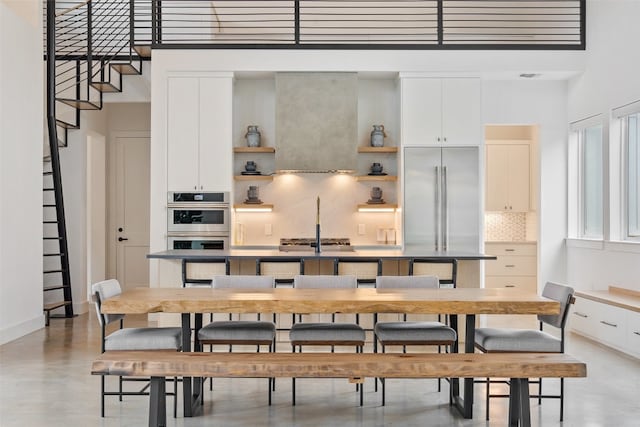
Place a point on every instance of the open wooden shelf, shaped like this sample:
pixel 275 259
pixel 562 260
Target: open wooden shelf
pixel 386 178
pixel 253 177
pixel 385 206
pixel 254 150
pixel 366 149
pixel 253 206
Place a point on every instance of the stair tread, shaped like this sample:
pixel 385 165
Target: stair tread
pixel 53 305
pixel 105 87
pixel 49 222
pixel 51 238
pixel 66 125
pixel 126 69
pixel 52 271
pixel 47 173
pixel 144 50
pixel 79 103
pixel 58 254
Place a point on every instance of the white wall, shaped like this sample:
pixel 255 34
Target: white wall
pixel 541 103
pixel 21 136
pixel 611 79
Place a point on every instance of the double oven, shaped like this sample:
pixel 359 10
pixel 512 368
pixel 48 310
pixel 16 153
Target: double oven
pixel 198 220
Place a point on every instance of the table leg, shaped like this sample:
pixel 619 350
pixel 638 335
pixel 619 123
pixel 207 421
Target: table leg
pixel 197 381
pixel 157 403
pixel 464 404
pixel 187 389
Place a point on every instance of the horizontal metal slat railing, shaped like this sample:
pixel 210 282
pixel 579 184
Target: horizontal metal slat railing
pixel 361 24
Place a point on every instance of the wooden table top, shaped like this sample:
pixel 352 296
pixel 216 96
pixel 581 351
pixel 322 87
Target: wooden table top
pixel 360 300
pixel 338 365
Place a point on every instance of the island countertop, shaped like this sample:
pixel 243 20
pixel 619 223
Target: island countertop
pixel 208 254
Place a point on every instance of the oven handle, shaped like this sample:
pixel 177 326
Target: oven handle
pixel 198 206
pixel 198 234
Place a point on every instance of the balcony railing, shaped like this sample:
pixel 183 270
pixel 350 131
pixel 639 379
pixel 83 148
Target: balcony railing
pixel 360 24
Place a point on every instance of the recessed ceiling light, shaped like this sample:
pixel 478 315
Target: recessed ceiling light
pixel 529 75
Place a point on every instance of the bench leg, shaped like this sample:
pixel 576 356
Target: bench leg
pixel 157 403
pixel 519 406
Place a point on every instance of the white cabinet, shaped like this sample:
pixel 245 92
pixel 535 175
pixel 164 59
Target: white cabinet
pixel 508 177
pixel 609 324
pixel 516 266
pixel 199 132
pixel 439 111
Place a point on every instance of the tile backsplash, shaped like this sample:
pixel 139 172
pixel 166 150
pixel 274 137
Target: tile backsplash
pixel 509 226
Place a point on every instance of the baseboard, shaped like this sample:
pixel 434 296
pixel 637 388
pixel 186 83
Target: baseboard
pixel 81 307
pixel 21 329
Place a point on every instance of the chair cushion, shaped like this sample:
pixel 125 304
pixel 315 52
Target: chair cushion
pixel 238 330
pixel 326 332
pixel 414 332
pixel 517 340
pixel 144 339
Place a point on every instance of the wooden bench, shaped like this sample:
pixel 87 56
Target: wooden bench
pixel 355 367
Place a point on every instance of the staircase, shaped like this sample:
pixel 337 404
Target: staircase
pixel 89 47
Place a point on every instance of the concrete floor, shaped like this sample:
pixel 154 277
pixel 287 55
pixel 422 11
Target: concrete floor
pixel 45 380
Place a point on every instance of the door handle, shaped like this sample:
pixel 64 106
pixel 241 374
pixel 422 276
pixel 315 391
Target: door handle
pixel 120 239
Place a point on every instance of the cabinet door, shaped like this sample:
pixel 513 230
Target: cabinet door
pixel 421 111
pixel 215 134
pixel 518 177
pixel 182 133
pixel 497 182
pixel 633 332
pixel 461 111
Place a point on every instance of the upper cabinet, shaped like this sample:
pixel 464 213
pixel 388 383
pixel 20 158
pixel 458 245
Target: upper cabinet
pixel 199 117
pixel 441 111
pixel 508 177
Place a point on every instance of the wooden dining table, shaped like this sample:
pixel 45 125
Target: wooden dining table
pixel 455 302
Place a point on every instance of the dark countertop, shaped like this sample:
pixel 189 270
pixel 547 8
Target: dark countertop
pixel 205 254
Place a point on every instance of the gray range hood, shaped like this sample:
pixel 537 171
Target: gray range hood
pixel 316 122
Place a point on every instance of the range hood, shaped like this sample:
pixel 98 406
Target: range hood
pixel 316 122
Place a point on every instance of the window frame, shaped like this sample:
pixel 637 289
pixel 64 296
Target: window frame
pixel 580 211
pixel 626 187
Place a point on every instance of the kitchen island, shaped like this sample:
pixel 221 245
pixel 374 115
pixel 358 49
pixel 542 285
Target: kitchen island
pixel 239 254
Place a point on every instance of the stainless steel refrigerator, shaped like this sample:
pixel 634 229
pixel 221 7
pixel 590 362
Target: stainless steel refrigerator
pixel 442 198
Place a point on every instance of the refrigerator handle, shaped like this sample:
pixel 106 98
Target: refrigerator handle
pixel 445 211
pixel 438 207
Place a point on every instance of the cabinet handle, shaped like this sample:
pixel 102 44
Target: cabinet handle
pixel 509 286
pixel 577 313
pixel 608 324
pixel 509 265
pixel 505 207
pixel 438 139
pixel 445 139
pixel 510 208
pixel 509 250
pixel 636 332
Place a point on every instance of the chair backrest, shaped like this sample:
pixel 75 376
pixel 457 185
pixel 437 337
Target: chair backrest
pixel 365 269
pixel 282 269
pixel 445 269
pixel 394 282
pixel 198 273
pixel 564 295
pixel 322 281
pixel 243 282
pixel 102 291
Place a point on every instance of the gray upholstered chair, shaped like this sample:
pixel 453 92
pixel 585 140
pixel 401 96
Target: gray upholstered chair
pixel 410 333
pixel 130 339
pixel 325 333
pixel 490 340
pixel 240 332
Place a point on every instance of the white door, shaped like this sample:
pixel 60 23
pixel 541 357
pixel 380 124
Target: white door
pixel 132 216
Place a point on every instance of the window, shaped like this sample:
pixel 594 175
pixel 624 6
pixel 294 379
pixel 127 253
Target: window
pixel 590 182
pixel 631 143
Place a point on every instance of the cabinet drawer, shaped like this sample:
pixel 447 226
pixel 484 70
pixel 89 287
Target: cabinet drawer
pixel 582 318
pixel 509 265
pixel 633 332
pixel 500 249
pixel 610 325
pixel 524 283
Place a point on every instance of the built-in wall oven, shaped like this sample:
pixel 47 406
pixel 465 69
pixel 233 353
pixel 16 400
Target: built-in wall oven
pixel 198 220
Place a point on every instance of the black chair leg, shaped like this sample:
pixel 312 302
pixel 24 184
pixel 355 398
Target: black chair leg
pixel 175 396
pixel 102 380
pixel 487 402
pixel 120 388
pixel 561 399
pixel 540 391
